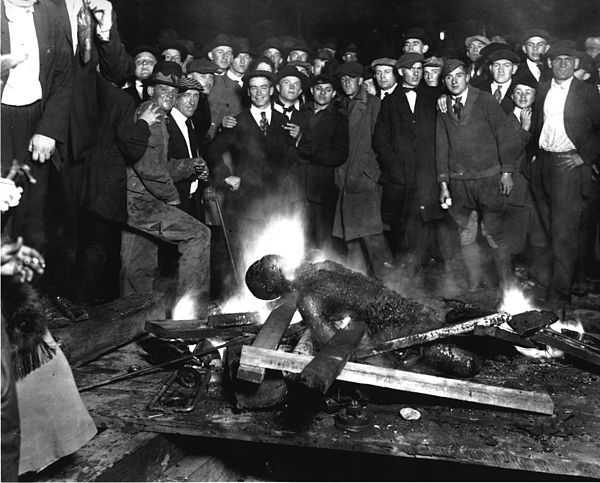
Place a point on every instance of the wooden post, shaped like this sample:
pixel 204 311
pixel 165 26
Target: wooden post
pixel 408 381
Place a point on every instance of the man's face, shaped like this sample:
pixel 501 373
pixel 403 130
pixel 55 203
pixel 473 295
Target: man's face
pixel 323 94
pixel 206 81
pixel 432 75
pixel 415 45
pixel 298 55
pixel 172 55
pixel 502 70
pixel 164 96
pixel 144 64
pixel 350 85
pixel 384 75
pixel 187 102
pixel 260 91
pixel 523 96
pixel 473 50
pixel 274 55
pixel 592 46
pixel 289 88
pixel 412 75
pixel 350 57
pixel 456 81
pixel 534 48
pixel 563 66
pixel 240 63
pixel 222 56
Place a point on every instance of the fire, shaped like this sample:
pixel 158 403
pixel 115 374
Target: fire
pixel 185 308
pixel 515 302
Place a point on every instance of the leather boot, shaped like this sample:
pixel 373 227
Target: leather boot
pixel 472 258
pixel 503 264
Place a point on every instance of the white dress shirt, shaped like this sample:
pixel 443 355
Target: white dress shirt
pixel 553 137
pixel 387 92
pixel 23 84
pixel 180 120
pixel 411 97
pixel 535 69
pixel 503 88
pixel 279 108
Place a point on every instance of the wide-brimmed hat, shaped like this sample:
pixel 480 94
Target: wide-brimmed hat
pixel 167 73
pixel 258 73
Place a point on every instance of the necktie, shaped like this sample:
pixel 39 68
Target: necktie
pixel 84 33
pixel 385 94
pixel 264 124
pixel 498 94
pixel 457 107
pixel 192 137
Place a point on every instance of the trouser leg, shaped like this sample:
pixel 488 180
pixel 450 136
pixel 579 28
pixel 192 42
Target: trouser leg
pixel 378 254
pixel 139 262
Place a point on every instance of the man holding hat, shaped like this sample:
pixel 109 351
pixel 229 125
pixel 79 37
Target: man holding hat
pixel 503 64
pixel 404 141
pixel 385 75
pixel 475 158
pixel 358 211
pixel 152 201
pixel 535 44
pixel 415 40
pixel 567 128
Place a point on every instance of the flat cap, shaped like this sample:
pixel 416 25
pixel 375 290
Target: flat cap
pixel 478 38
pixel 384 61
pixel 352 69
pixel 409 59
pixel 503 54
pixel 524 77
pixel 220 40
pixel 190 84
pixel 416 33
pixel 301 46
pixel 450 65
pixel 202 66
pixel 563 47
pixel 433 62
pixel 535 33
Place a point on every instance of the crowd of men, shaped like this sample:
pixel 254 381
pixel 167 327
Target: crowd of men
pixel 392 163
pixel 124 167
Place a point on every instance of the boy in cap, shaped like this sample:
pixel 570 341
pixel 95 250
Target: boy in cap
pixel 535 44
pixel 475 159
pixel 568 122
pixel 385 75
pixel 152 201
pixel 358 211
pixel 404 140
pixel 432 71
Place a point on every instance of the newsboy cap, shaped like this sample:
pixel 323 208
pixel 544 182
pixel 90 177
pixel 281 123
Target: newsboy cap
pixel 409 59
pixel 190 84
pixel 535 33
pixel 479 38
pixel 202 66
pixel 433 61
pixel 524 77
pixel 416 33
pixel 563 47
pixel 384 61
pixel 352 69
pixel 452 64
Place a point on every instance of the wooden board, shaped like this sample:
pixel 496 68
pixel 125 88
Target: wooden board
pixel 110 326
pixel 565 444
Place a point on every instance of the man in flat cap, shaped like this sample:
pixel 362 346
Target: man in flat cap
pixel 358 211
pixel 220 52
pixel 567 115
pixel 299 51
pixel 432 71
pixel 273 49
pixel 329 149
pixel 474 45
pixel 203 71
pixel 152 201
pixel 415 40
pixel 404 140
pixel 385 75
pixel 475 159
pixel 535 44
pixel 503 64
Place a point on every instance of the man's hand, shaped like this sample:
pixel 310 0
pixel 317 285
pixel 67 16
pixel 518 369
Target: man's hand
pixel 444 193
pixel 201 169
pixel 442 103
pixel 229 122
pixel 41 147
pixel 569 161
pixel 293 130
pixel 506 183
pixel 233 182
pixel 526 118
pixel 102 11
pixel 21 261
pixel 10 194
pixel 152 114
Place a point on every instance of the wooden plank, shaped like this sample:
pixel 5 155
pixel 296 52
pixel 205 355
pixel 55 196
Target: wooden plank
pixel 109 326
pixel 269 337
pixel 117 455
pixel 325 367
pixel 409 381
pixel 194 330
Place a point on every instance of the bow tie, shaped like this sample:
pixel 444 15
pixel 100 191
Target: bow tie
pixel 407 89
pixel 286 109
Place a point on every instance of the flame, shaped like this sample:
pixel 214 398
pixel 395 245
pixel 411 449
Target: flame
pixel 185 308
pixel 515 302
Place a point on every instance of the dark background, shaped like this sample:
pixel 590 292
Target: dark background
pixel 376 26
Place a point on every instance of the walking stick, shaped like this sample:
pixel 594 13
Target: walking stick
pixel 214 196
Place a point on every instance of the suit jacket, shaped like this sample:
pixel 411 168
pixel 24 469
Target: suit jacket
pixel 582 118
pixel 506 104
pixel 262 162
pixel 115 64
pixel 479 144
pixel 55 69
pixel 545 72
pixel 405 145
pixel 225 99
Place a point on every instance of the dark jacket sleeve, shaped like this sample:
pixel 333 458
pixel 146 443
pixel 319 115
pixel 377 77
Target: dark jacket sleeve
pixel 115 63
pixel 442 148
pixel 132 136
pixel 505 138
pixel 383 139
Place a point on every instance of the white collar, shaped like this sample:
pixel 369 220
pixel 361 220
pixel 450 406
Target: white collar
pixel 14 12
pixel 563 85
pixel 178 116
